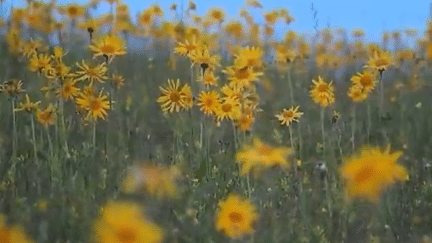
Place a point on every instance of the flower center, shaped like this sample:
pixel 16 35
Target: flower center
pixel 126 235
pixel 322 88
pixel 366 80
pixel 243 73
pixel 226 107
pixel 288 114
pixel 235 217
pixel 175 96
pixel 107 49
pixel 264 149
pixel 364 174
pixel 95 105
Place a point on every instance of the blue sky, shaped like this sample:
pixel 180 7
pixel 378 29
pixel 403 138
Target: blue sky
pixel 373 16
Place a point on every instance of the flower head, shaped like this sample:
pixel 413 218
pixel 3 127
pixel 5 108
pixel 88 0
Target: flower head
pixel 366 79
pixel 322 92
pixel 380 60
pixel 173 97
pixel 286 117
pixel 108 46
pixel 208 101
pixel 236 216
pixel 46 117
pixel 28 105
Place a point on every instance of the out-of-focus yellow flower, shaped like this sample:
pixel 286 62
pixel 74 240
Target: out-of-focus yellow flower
pixel 366 79
pixel 242 77
pixel 187 47
pixel 271 17
pixel 380 61
pixel 236 216
pixel 73 11
pixel 249 56
pixel 157 181
pixel 28 105
pixel 261 156
pixel 40 63
pixel 357 93
pixel 123 222
pixel 12 233
pixel 118 81
pixel 12 87
pixel 47 117
pixel 254 3
pixel 68 91
pixel 204 59
pixel 370 172
pixel 31 47
pixel 215 15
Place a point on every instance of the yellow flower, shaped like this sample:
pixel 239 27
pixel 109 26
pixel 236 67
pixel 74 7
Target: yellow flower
pixel 12 233
pixel 228 109
pixel 242 77
pixel 208 102
pixel 232 92
pixel 58 70
pixel 68 90
pixel 28 105
pixel 271 17
pixel 91 25
pixel 261 155
pixel 380 61
pixel 118 81
pixel 254 3
pixel 123 222
pixel 289 116
pixel 46 117
pixel 203 58
pixel 40 63
pixel 95 106
pixel 216 15
pixel 357 93
pixel 370 172
pixel 173 98
pixel 208 79
pixel 12 88
pixel 31 47
pixel 91 73
pixel 157 181
pixel 235 217
pixel 251 57
pixel 322 92
pixel 108 46
pixel 73 10
pixel 367 80
pixel 187 47
pixel 244 122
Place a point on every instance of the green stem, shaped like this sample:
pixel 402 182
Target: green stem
pixel 322 129
pixel 34 140
pixel 290 85
pixel 94 139
pixel 291 136
pixel 14 132
pixel 353 127
pixel 369 122
pixel 381 107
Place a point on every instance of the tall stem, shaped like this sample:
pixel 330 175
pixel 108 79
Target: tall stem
pixel 353 127
pixel 322 128
pixel 291 136
pixel 94 139
pixel 290 84
pixel 14 132
pixel 34 140
pixel 369 122
pixel 381 107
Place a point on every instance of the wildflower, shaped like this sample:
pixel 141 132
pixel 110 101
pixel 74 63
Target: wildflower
pixel 91 73
pixel 366 80
pixel 335 117
pixel 232 92
pixel 236 216
pixel 73 11
pixel 173 97
pixel 254 3
pixel 123 222
pixel 261 155
pixel 216 15
pixel 191 6
pixel 91 26
pixel 242 77
pixel 370 172
pixel 186 48
pixel 40 63
pixel 357 93
pixel 380 61
pixel 203 58
pixel 208 102
pixel 12 233
pixel 58 70
pixel 157 181
pixel 208 79
pixel 251 57
pixel 31 47
pixel 12 88
pixel 95 106
pixel 271 17
pixel 289 116
pixel 228 109
pixel 118 81
pixel 322 92
pixel 108 46
pixel 46 117
pixel 28 105
pixel 68 91
pixel 244 122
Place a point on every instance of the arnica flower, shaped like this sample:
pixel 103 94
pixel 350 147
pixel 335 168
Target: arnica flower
pixel 254 3
pixel 236 217
pixel 208 101
pixel 155 180
pixel 245 122
pixel 370 172
pixel 118 81
pixel 242 77
pixel 73 10
pixel 40 63
pixel 12 88
pixel 249 56
pixel 380 60
pixel 215 15
pixel 228 109
pixel 286 117
pixel 187 47
pixel 108 46
pixel 28 105
pixel 357 93
pixel 91 73
pixel 12 233
pixel 366 79
pixel 124 222
pixel 68 91
pixel 31 47
pixel 204 59
pixel 173 98
pixel 58 70
pixel 322 92
pixel 95 106
pixel 208 79
pixel 46 117
pixel 261 156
